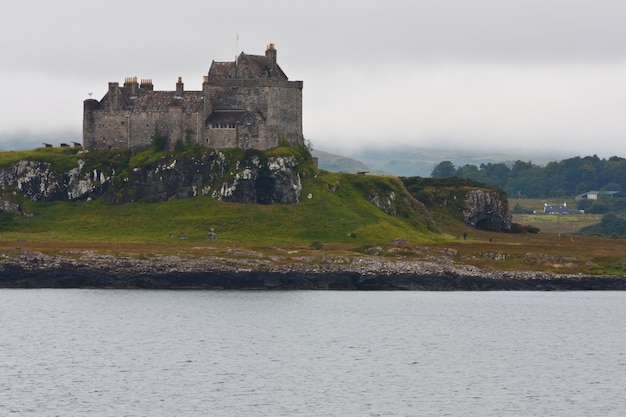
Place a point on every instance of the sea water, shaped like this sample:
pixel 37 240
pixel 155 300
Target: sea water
pixel 312 353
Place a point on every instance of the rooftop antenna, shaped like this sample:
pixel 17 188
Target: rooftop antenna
pixel 89 94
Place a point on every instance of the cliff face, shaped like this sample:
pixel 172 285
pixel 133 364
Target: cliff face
pixel 486 210
pixel 252 179
pixel 39 182
pixel 475 204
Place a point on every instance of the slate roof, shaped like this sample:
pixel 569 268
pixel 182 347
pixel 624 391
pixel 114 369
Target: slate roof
pixel 556 209
pixel 226 116
pixel 149 100
pixel 232 116
pixel 593 192
pixel 246 66
pixel 160 100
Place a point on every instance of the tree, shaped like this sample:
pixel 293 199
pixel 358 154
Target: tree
pixel 612 224
pixel 159 139
pixel 445 169
pixel 179 146
pixel 188 136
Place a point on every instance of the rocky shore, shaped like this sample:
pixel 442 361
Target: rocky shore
pixel 251 271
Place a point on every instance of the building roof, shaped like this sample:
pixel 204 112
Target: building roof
pixel 593 192
pixel 555 208
pixel 245 67
pixel 226 116
pixel 149 100
pixel 161 100
pixel 238 116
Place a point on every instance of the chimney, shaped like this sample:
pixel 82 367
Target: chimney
pixel 179 87
pixel 146 84
pixel 114 95
pixel 270 53
pixel 131 82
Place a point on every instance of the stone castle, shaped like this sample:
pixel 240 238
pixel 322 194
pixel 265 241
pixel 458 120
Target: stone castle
pixel 248 103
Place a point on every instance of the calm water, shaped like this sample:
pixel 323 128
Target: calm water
pixel 305 353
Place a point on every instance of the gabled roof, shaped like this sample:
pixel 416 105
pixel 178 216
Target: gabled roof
pixel 246 67
pixel 226 116
pixel 555 208
pixel 233 116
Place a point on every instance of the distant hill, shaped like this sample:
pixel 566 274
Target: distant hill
pixel 338 163
pixel 409 161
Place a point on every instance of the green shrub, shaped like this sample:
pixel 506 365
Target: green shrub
pixel 317 245
pixel 159 139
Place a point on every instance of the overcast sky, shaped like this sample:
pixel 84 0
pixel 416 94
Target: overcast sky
pixel 531 76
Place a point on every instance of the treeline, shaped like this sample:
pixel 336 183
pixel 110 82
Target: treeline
pixel 566 178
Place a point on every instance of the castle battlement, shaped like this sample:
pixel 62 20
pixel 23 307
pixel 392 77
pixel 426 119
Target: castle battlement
pixel 246 103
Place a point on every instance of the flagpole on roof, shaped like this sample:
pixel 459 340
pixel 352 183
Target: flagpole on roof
pixel 236 47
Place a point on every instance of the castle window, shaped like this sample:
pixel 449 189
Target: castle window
pixel 223 125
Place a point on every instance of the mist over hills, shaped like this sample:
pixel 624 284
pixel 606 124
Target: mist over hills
pixel 400 160
pixel 410 161
pixel 16 141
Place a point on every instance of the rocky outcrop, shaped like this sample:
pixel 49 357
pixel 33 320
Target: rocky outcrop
pixel 8 206
pixel 486 210
pixel 87 269
pixel 255 178
pixel 39 182
pixel 384 201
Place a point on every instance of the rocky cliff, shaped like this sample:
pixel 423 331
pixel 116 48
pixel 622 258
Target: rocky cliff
pixel 249 178
pixel 486 210
pixel 477 205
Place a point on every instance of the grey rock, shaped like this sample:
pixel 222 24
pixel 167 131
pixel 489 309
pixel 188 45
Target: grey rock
pixel 273 180
pixel 487 211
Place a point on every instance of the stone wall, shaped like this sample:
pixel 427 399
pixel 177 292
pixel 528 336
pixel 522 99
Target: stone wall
pixel 105 129
pixel 276 105
pixel 127 116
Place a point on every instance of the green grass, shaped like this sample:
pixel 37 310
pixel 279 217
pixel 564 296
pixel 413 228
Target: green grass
pixel 339 215
pixel 344 216
pixel 62 159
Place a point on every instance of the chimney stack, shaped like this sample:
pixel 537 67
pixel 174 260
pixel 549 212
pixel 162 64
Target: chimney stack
pixel 131 82
pixel 114 95
pixel 179 87
pixel 146 84
pixel 270 53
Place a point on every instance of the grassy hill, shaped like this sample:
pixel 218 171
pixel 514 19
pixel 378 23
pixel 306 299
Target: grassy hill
pixel 343 213
pixel 334 208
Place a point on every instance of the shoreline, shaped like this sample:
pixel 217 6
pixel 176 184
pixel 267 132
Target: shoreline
pixel 88 269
